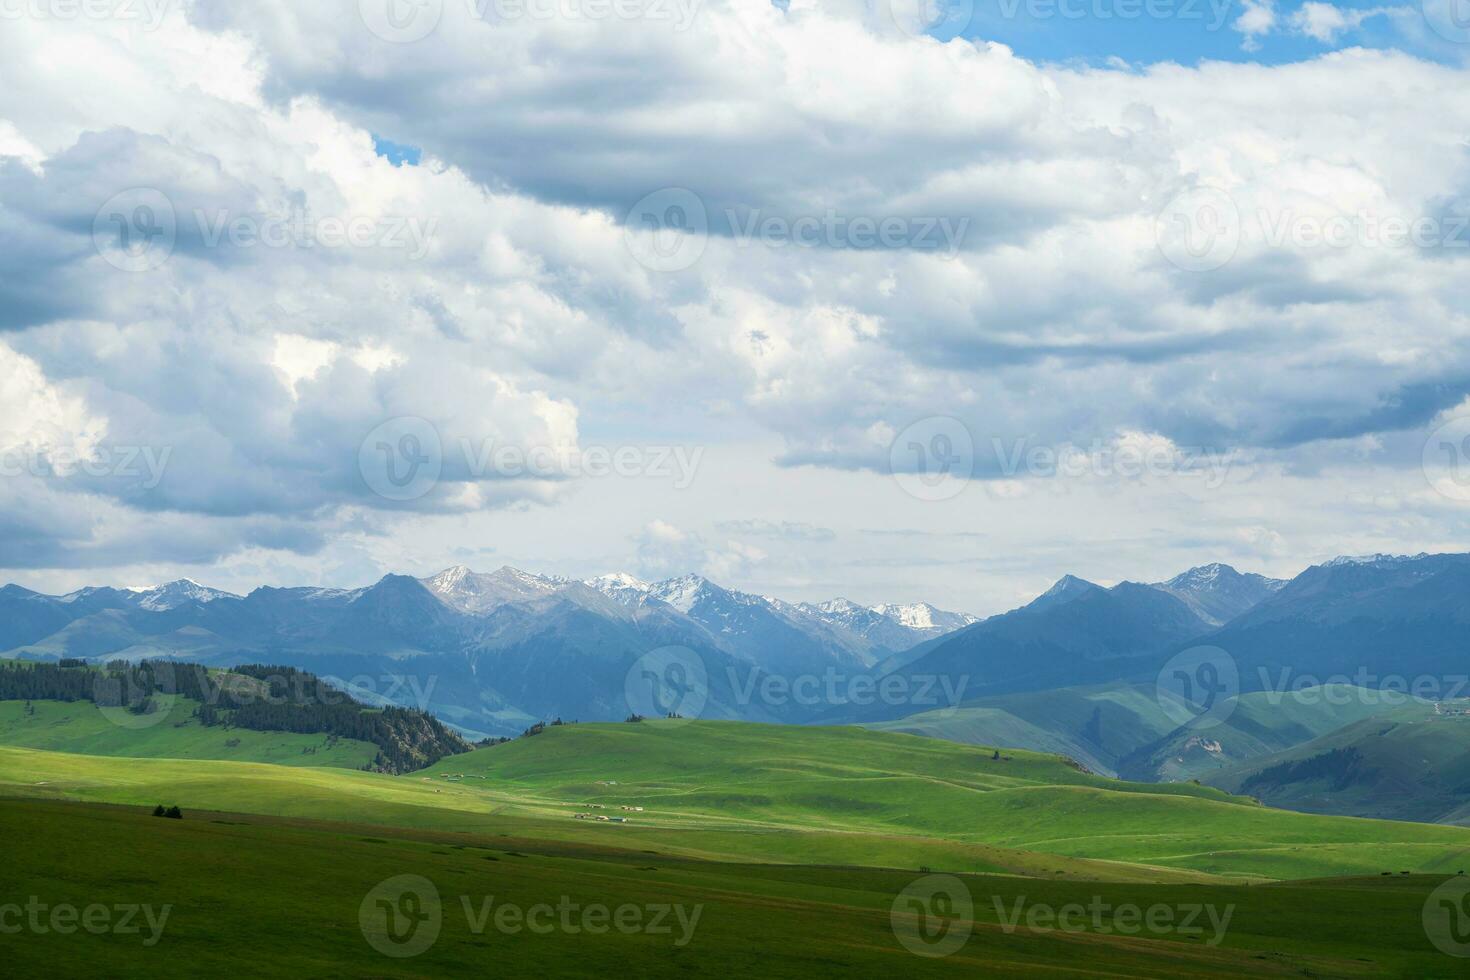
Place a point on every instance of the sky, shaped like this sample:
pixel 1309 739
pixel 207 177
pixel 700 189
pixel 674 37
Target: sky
pixel 878 299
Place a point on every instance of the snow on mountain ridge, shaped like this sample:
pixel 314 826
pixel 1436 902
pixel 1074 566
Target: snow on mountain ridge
pixel 171 595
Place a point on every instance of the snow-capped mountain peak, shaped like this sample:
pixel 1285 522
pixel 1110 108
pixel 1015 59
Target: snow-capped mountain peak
pixel 914 615
pixel 1378 560
pixel 617 581
pixel 682 592
pixel 1218 593
pixel 171 595
pixel 477 593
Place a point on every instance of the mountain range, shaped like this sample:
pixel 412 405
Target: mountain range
pixel 492 653
pixel 489 652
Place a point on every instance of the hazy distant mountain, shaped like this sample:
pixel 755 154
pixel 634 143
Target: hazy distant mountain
pixel 493 652
pixel 474 593
pixel 1076 633
pixel 173 594
pixel 1412 763
pixel 1067 588
pixel 790 637
pixel 893 626
pixel 1365 619
pixel 1218 593
pixel 490 652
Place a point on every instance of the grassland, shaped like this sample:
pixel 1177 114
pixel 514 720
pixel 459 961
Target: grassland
pixel 740 793
pixel 80 727
pixel 267 896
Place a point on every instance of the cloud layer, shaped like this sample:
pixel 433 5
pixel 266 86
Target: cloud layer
pixel 725 225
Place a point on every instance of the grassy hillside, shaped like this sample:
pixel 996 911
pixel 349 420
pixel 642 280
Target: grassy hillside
pixel 279 897
pixel 1260 724
pixel 252 697
pixel 1123 730
pixel 1097 726
pixel 78 726
pixel 740 792
pixel 1411 765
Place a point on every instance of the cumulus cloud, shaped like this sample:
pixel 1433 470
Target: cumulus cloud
pixel 211 259
pixel 1327 22
pixel 1256 20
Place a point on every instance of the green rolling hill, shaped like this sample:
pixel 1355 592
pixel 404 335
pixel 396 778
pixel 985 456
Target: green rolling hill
pixel 1098 726
pixel 741 792
pixel 79 727
pixel 267 896
pixel 1123 730
pixel 1412 764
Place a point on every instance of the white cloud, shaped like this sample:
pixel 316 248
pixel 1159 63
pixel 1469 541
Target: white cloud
pixel 524 320
pixel 1257 19
pixel 1327 22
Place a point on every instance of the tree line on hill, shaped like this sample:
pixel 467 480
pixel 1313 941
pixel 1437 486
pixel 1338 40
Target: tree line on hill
pixel 257 697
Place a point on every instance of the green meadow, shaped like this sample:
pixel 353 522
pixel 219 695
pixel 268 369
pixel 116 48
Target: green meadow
pixel 266 896
pixel 739 792
pixel 81 727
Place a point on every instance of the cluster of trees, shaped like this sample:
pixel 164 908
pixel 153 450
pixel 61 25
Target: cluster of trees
pixel 172 813
pixel 537 729
pixel 255 697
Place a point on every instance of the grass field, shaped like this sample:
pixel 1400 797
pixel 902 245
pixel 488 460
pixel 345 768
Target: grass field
pixel 739 792
pixel 227 894
pixel 79 726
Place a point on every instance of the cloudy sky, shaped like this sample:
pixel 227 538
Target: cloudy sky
pixel 817 298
